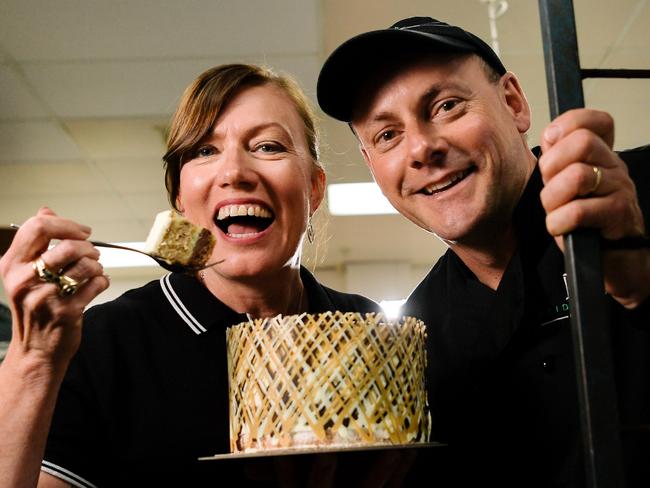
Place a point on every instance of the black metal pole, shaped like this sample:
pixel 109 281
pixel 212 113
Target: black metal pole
pixel 583 262
pixel 615 73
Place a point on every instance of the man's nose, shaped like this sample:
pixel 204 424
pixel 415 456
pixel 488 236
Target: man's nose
pixel 236 169
pixel 426 146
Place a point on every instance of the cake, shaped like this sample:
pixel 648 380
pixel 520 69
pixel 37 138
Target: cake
pixel 333 379
pixel 179 241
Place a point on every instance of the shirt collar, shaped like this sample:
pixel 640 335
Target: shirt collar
pixel 195 305
pixel 201 310
pixel 529 212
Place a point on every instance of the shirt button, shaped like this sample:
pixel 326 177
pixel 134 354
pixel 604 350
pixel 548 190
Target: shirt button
pixel 548 364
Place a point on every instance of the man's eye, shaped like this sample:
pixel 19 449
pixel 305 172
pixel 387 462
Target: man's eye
pixel 448 105
pixel 387 135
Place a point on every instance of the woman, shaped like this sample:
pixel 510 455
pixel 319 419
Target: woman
pixel 146 393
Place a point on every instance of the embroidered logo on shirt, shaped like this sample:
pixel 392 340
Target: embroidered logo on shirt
pixel 560 310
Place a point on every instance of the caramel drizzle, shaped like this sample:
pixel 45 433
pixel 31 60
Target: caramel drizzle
pixel 324 370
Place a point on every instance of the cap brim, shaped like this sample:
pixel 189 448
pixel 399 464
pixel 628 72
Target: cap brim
pixel 348 68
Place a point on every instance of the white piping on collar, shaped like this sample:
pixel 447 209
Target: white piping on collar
pixel 178 305
pixel 65 475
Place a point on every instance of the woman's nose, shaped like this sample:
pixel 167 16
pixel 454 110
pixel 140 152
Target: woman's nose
pixel 426 146
pixel 236 170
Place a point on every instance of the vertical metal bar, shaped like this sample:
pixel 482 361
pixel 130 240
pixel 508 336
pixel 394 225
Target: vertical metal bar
pixel 583 262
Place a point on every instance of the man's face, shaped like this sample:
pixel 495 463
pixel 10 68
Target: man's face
pixel 446 145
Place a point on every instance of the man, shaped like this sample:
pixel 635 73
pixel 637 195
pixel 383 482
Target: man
pixel 442 126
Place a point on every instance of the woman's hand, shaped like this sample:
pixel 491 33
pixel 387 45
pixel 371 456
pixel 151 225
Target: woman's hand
pixel 588 185
pixel 46 331
pixel 46 325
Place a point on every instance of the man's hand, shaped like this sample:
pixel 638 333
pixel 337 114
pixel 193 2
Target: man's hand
pixel 588 185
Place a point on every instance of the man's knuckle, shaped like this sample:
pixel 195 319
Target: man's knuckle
pixel 576 216
pixel 608 120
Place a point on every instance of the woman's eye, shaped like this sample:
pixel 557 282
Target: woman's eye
pixel 205 151
pixel 269 147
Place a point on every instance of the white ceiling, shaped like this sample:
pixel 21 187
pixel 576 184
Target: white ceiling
pixel 87 88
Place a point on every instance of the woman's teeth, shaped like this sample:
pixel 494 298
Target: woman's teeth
pixel 243 236
pixel 243 210
pixel 243 220
pixel 443 185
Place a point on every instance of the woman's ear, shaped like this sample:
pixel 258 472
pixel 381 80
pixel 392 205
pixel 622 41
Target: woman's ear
pixel 179 204
pixel 318 181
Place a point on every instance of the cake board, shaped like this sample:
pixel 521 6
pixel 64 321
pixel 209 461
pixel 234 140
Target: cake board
pixel 318 450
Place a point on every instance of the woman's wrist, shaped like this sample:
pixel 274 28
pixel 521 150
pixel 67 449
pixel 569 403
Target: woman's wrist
pixel 33 368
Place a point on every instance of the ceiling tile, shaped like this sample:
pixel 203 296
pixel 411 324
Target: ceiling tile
pixel 147 204
pixel 626 101
pixel 82 208
pixel 78 29
pixel 600 28
pixel 134 175
pixel 36 140
pixel 637 34
pixel 137 88
pixel 110 89
pixel 16 102
pixel 119 138
pixel 63 178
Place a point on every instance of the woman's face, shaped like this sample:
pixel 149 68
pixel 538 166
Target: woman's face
pixel 252 183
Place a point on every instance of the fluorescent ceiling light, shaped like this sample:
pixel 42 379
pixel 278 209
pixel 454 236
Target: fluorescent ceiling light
pixel 118 258
pixel 357 199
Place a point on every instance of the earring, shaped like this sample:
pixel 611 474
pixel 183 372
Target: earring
pixel 310 231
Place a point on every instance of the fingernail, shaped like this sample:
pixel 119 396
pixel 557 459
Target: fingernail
pixel 552 133
pixel 86 229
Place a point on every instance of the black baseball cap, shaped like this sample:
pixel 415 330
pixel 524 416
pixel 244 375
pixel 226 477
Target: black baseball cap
pixel 350 65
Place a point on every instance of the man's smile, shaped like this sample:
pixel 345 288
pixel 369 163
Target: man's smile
pixel 448 182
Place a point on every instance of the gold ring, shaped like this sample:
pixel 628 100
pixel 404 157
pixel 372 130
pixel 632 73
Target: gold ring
pixel 44 273
pixel 67 286
pixel 599 176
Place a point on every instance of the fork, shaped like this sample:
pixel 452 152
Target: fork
pixel 163 263
pixel 173 267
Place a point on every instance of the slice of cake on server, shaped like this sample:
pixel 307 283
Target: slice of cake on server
pixel 179 241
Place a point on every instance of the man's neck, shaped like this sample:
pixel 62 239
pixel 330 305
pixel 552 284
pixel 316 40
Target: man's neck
pixel 488 251
pixel 488 261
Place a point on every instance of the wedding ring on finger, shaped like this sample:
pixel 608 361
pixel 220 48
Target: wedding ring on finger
pixel 598 173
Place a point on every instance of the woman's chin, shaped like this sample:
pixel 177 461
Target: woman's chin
pixel 244 267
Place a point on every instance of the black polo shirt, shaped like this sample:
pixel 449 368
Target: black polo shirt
pixel 502 383
pixel 147 392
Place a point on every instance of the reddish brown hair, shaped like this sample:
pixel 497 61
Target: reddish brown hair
pixel 205 99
